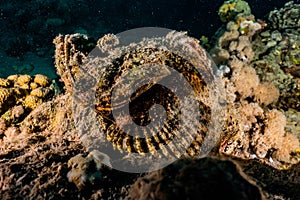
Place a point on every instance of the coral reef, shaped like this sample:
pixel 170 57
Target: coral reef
pixel 23 90
pixel 41 148
pixel 286 17
pixel 254 92
pixel 277 54
pixel 250 98
pixel 18 98
pixel 41 154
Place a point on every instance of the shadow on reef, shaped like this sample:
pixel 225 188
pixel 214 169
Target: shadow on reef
pixel 205 179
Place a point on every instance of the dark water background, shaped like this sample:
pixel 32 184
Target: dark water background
pixel 28 27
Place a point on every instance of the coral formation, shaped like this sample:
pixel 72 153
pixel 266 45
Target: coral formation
pixel 257 81
pixel 246 81
pixel 18 98
pixel 23 81
pixel 32 102
pixel 41 80
pixel 43 150
pixel 7 98
pixel 266 93
pixel 277 54
pixel 286 17
pixel 232 8
pixel 4 82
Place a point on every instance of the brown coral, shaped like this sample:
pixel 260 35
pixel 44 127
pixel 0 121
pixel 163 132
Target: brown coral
pixel 289 145
pixel 17 111
pixel 266 93
pixel 246 81
pixel 227 37
pixel 11 134
pixel 272 136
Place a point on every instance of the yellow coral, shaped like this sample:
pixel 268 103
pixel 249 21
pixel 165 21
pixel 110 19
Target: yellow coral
pixel 5 95
pixel 240 20
pixel 227 7
pixel 24 87
pixel 33 85
pixel 4 82
pixel 40 92
pixel 32 102
pixel 23 79
pixel 226 11
pixel 12 78
pixel 42 80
